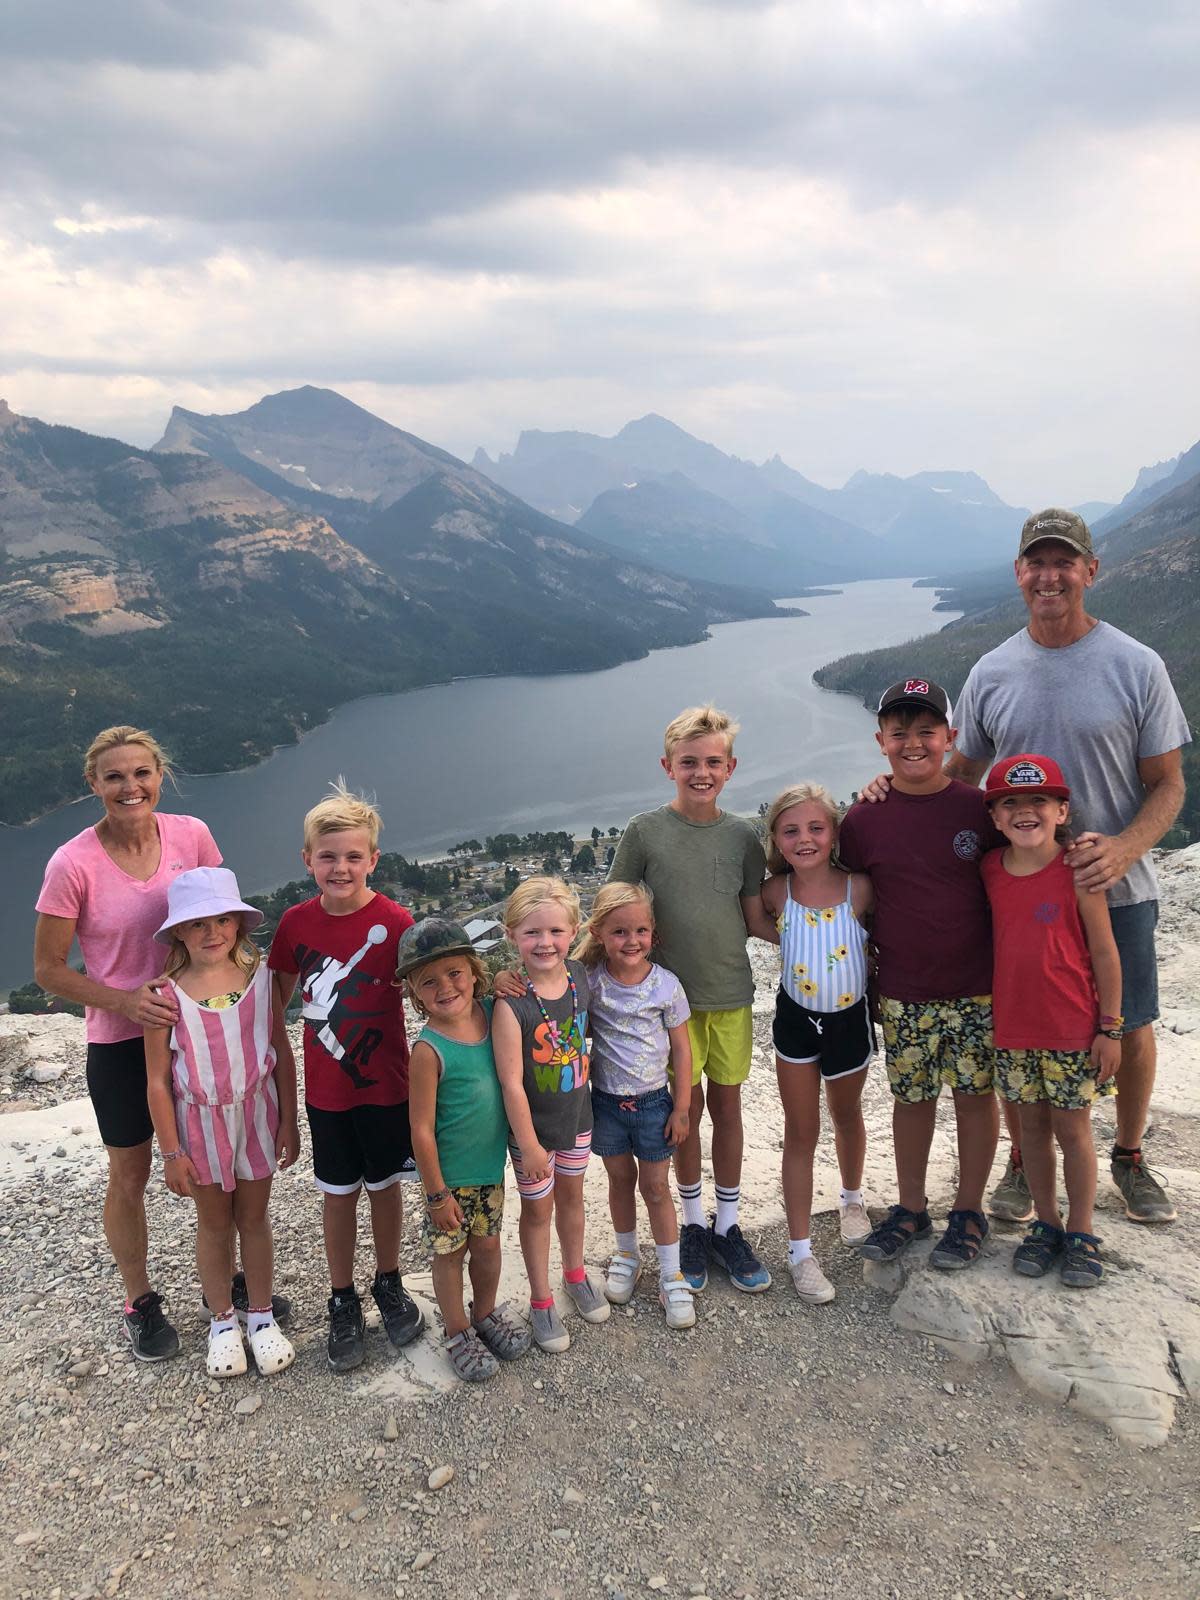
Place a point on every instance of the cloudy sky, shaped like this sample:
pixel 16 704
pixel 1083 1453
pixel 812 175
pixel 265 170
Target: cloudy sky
pixel 896 234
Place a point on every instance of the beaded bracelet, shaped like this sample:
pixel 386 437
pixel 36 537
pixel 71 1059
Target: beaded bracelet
pixel 438 1198
pixel 172 1155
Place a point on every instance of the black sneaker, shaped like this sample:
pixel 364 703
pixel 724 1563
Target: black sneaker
pixel 730 1250
pixel 345 1345
pixel 403 1318
pixel 281 1306
pixel 151 1335
pixel 693 1255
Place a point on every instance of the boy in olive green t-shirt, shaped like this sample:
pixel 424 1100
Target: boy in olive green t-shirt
pixel 703 866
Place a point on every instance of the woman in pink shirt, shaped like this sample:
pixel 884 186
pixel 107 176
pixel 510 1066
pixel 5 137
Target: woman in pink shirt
pixel 107 888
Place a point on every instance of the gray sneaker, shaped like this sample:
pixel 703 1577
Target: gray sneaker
pixel 1145 1198
pixel 1010 1200
pixel 548 1330
pixel 588 1301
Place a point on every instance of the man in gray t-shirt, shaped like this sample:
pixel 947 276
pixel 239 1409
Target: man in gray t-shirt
pixel 1072 687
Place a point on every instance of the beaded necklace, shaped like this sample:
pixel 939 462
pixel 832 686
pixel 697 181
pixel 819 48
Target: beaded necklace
pixel 560 1042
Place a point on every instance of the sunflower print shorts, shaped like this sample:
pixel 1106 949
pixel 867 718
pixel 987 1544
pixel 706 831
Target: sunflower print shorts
pixel 932 1043
pixel 1066 1078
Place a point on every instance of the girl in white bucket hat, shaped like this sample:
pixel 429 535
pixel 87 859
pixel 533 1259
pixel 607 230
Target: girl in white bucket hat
pixel 222 1093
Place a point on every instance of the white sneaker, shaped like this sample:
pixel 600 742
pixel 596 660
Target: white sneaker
pixel 854 1224
pixel 811 1283
pixel 623 1274
pixel 675 1297
pixel 588 1301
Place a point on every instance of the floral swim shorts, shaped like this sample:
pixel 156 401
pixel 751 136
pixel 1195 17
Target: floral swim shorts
pixel 931 1043
pixel 1066 1078
pixel 482 1207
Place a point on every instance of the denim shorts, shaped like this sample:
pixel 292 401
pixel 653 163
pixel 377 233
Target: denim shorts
pixel 632 1124
pixel 1133 929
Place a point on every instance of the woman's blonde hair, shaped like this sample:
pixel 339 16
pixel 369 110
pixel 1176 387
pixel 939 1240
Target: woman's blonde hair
pixel 590 949
pixel 799 794
pixel 246 954
pixel 534 892
pixel 468 958
pixel 123 733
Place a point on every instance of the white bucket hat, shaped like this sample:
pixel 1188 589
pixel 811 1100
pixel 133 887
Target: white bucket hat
pixel 205 892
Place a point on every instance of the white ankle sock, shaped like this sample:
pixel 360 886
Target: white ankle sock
pixel 727 1209
pixel 258 1319
pixel 689 1199
pixel 222 1324
pixel 627 1244
pixel 668 1259
pixel 851 1197
pixel 798 1250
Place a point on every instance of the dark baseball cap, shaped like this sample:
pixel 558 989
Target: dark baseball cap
pixel 916 692
pixel 1055 523
pixel 430 941
pixel 1026 774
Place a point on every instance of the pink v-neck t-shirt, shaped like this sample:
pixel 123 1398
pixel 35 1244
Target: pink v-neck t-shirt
pixel 115 916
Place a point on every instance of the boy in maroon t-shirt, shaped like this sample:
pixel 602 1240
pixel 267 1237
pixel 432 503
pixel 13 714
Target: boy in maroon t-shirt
pixel 341 947
pixel 932 931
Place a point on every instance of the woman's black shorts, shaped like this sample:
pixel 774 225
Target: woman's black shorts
pixel 116 1080
pixel 839 1042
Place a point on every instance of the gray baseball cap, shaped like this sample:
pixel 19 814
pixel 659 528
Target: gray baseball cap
pixel 430 941
pixel 1055 523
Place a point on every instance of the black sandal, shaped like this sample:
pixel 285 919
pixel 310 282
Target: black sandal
pixel 1082 1267
pixel 957 1248
pixel 1038 1250
pixel 891 1236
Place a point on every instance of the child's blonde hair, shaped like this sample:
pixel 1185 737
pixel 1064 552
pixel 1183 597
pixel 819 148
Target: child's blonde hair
pixel 534 892
pixel 697 722
pixel 339 811
pixel 469 959
pixel 246 954
pixel 590 949
pixel 124 733
pixel 799 794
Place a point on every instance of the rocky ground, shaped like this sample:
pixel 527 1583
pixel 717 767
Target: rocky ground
pixel 971 1435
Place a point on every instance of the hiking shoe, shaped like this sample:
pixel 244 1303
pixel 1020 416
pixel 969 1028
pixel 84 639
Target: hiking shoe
pixel 1010 1200
pixel 470 1358
pixel 151 1335
pixel 345 1344
pixel 854 1224
pixel 1038 1250
pixel 958 1247
pixel 402 1317
pixel 890 1236
pixel 730 1250
pixel 1144 1196
pixel 506 1335
pixel 548 1330
pixel 813 1287
pixel 693 1256
pixel 623 1274
pixel 675 1298
pixel 1081 1267
pixel 281 1306
pixel 587 1300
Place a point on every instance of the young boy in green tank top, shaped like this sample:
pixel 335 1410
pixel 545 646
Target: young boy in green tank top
pixel 460 1143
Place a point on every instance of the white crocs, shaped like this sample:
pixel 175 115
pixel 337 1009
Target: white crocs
pixel 273 1350
pixel 226 1353
pixel 621 1280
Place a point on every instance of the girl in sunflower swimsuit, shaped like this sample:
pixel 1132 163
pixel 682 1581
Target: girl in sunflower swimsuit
pixel 822 1031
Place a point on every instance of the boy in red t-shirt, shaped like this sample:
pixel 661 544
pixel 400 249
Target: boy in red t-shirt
pixel 341 947
pixel 932 932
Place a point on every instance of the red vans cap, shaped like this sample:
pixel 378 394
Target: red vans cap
pixel 1026 774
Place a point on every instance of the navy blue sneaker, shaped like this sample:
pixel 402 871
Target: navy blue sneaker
pixel 693 1255
pixel 730 1250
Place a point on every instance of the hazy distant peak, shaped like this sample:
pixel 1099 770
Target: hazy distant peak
pixel 1151 475
pixel 652 428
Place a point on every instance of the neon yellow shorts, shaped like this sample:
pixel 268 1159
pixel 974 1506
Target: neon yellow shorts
pixel 721 1042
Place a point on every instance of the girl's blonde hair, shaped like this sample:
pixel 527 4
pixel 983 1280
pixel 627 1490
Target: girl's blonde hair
pixel 798 795
pixel 534 892
pixel 469 959
pixel 112 738
pixel 246 954
pixel 590 949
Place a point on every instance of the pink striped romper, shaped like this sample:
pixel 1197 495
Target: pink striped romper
pixel 223 1071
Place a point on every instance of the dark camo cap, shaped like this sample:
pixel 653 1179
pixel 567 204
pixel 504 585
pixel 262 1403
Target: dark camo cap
pixel 1055 523
pixel 430 941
